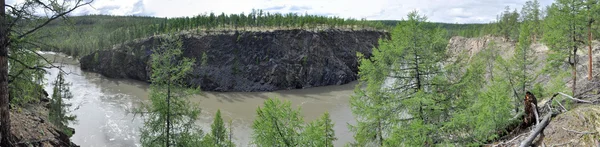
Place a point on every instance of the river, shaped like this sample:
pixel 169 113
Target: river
pixel 102 107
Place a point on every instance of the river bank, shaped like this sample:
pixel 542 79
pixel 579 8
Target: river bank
pixel 103 104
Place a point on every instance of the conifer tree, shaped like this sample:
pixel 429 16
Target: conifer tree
pixel 219 135
pixel 564 34
pixel 59 108
pixel 277 124
pixel 399 77
pixel 521 68
pixel 319 132
pixel 170 118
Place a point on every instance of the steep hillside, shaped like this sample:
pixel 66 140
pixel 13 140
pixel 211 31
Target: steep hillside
pixel 250 60
pixel 32 127
pixel 578 125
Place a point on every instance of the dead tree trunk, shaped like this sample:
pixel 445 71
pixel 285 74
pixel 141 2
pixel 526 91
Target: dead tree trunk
pixel 538 130
pixel 530 110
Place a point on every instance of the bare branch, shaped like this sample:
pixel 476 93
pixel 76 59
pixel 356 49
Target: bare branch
pixel 575 99
pixel 37 67
pixel 578 132
pixel 565 109
pixel 44 58
pixel 537 117
pixel 509 140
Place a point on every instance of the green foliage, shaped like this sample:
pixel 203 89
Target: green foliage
pixel 521 70
pixel 508 24
pixel 82 35
pixel 532 16
pixel 218 136
pixel 405 98
pixel 489 113
pixel 319 132
pixel 25 76
pixel 170 117
pixel 464 30
pixel 565 29
pixel 204 59
pixel 399 78
pixel 278 124
pixel 304 60
pixel 59 109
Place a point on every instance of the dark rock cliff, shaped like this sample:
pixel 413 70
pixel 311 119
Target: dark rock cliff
pixel 250 61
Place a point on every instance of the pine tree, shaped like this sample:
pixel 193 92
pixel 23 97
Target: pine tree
pixel 170 117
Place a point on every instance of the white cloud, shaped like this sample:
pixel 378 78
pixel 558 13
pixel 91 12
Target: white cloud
pixel 450 11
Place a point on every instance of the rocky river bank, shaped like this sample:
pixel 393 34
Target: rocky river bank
pixel 249 60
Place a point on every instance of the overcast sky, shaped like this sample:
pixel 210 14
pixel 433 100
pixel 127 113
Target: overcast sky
pixel 450 11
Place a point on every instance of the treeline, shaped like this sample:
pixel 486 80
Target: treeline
pixel 81 35
pixel 465 30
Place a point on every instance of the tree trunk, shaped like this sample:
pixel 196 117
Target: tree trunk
pixel 574 72
pixel 591 64
pixel 538 129
pixel 168 144
pixel 4 102
pixel 574 64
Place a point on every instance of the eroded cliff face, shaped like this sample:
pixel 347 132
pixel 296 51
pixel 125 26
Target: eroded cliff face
pixel 249 61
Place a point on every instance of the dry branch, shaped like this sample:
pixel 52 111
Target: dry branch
pixel 565 109
pixel 578 132
pixel 535 112
pixel 575 99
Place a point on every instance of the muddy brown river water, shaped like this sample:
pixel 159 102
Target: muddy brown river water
pixel 102 104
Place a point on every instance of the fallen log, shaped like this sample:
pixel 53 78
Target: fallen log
pixel 538 129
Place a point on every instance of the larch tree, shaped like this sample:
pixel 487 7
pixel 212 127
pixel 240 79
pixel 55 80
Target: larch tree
pixel 218 134
pixel 531 14
pixel 399 77
pixel 170 118
pixel 277 124
pixel 565 33
pixel 508 24
pixel 18 22
pixel 521 68
pixel 592 10
pixel 319 132
pixel 59 108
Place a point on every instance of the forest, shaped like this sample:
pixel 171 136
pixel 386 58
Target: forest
pixel 411 91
